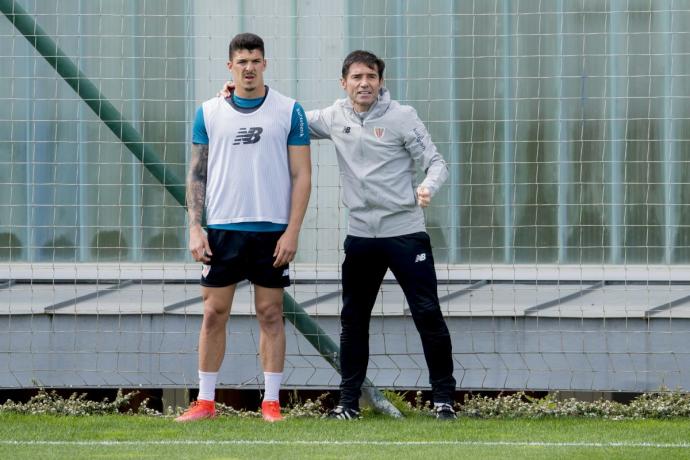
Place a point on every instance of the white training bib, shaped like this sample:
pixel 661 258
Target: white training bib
pixel 248 169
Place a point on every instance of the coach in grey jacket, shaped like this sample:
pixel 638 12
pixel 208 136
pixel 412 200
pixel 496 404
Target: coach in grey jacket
pixel 377 151
pixel 379 143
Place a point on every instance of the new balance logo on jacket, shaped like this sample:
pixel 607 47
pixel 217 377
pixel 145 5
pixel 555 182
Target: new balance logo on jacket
pixel 248 135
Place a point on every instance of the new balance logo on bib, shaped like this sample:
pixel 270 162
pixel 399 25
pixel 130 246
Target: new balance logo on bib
pixel 248 135
pixel 248 159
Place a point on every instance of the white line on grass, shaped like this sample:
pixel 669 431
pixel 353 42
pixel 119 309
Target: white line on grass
pixel 249 442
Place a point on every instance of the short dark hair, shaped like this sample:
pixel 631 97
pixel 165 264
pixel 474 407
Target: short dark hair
pixel 246 41
pixel 363 57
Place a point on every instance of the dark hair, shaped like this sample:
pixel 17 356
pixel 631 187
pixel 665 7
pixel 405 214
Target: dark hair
pixel 363 57
pixel 248 42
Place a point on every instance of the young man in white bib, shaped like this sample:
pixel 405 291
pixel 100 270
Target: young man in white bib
pixel 251 171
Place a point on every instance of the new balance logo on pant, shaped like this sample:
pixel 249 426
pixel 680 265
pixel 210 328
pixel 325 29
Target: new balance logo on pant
pixel 420 257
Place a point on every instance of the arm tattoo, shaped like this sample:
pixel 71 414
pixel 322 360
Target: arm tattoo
pixel 196 183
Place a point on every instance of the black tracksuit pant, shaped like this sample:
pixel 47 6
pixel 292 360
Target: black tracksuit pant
pixel 366 262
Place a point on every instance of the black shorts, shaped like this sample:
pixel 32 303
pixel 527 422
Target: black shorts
pixel 239 255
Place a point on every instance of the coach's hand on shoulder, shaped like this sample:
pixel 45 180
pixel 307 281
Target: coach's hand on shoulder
pixel 198 244
pixel 286 248
pixel 227 90
pixel 423 196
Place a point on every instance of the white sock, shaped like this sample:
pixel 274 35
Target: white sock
pixel 272 381
pixel 207 385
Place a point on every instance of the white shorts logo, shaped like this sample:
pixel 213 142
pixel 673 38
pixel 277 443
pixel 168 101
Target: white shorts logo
pixel 420 257
pixel 205 270
pixel 286 272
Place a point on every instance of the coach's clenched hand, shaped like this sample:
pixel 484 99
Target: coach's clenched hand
pixel 423 196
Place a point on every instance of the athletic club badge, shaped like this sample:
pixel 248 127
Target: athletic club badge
pixel 379 132
pixel 205 270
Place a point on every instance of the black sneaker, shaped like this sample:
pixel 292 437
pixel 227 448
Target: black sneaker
pixel 343 413
pixel 444 412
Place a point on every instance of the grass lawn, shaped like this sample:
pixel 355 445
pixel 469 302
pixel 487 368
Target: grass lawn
pixel 120 436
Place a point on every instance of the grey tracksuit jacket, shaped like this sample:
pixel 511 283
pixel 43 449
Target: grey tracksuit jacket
pixel 377 152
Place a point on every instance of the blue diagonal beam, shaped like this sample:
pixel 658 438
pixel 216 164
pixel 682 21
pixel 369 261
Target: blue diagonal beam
pixel 667 306
pixel 91 295
pixel 566 298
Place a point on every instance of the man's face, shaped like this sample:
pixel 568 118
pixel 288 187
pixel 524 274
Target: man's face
pixel 362 85
pixel 247 68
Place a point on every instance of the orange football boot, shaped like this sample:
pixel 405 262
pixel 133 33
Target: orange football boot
pixel 198 410
pixel 270 411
